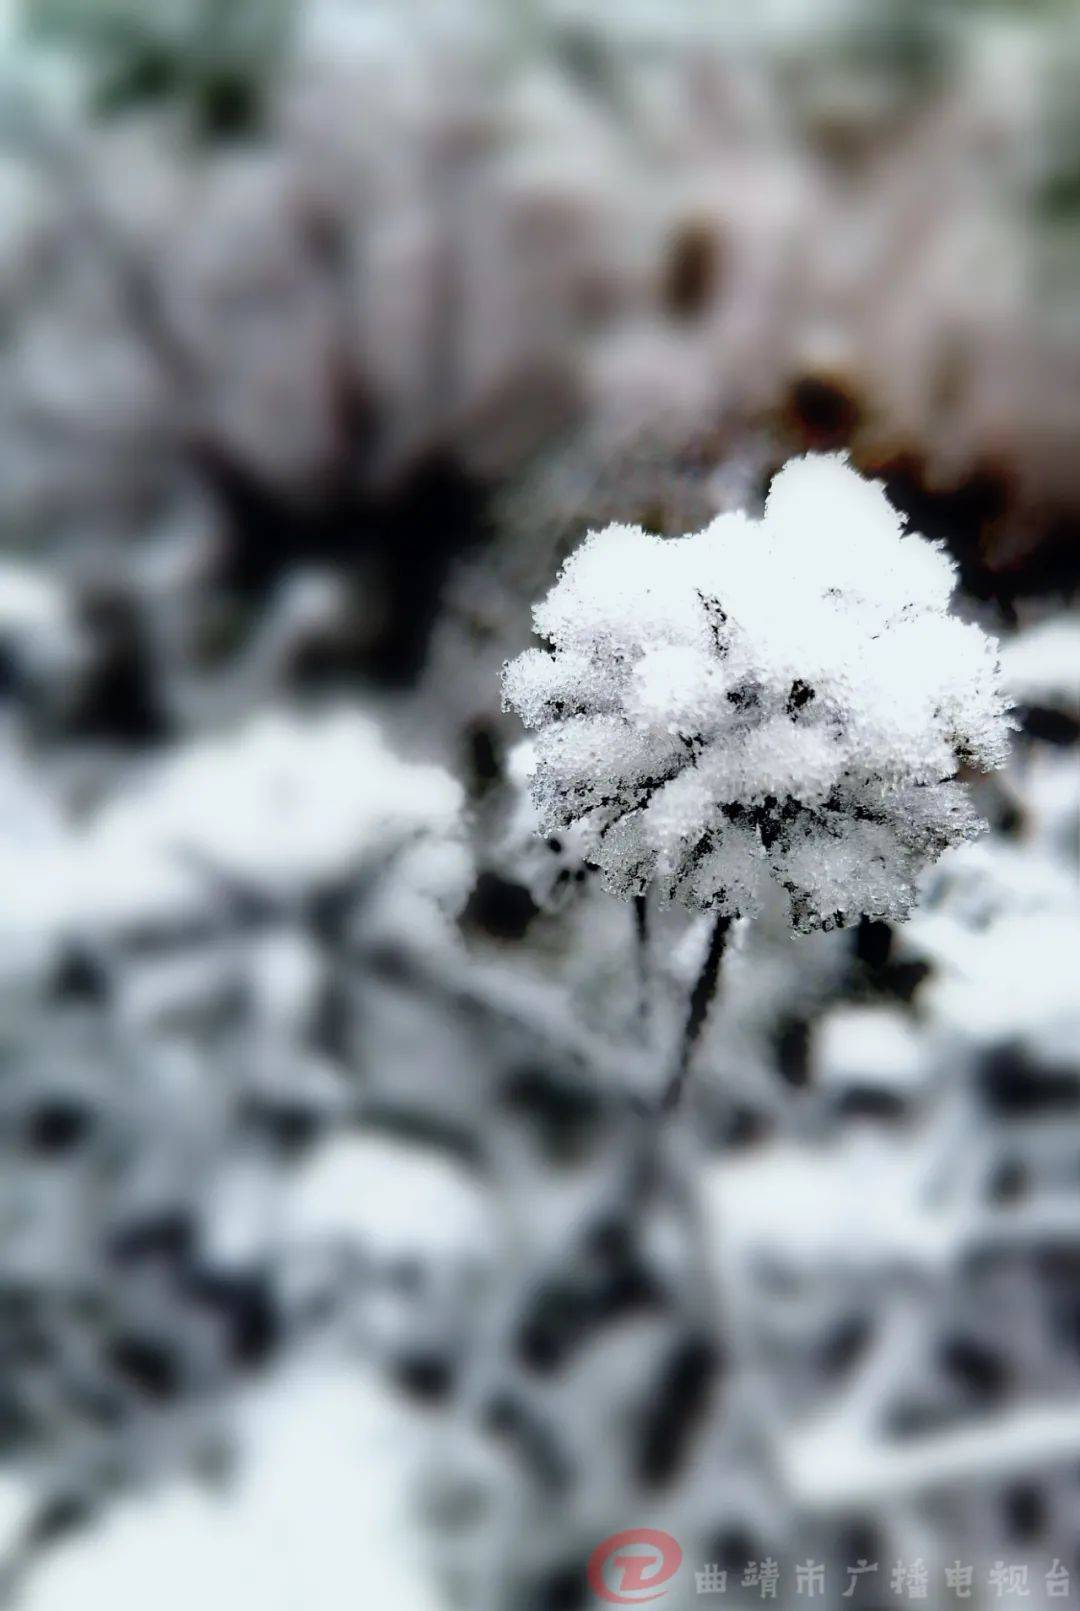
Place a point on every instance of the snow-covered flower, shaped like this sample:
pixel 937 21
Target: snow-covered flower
pixel 284 807
pixel 288 801
pixel 783 699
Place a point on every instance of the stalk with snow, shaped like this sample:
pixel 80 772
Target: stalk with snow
pixel 785 700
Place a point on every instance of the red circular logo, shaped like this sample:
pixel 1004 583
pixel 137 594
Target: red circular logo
pixel 628 1568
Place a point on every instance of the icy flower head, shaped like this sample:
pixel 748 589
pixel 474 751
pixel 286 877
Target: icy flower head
pixel 782 699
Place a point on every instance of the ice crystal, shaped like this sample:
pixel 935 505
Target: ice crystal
pixel 783 699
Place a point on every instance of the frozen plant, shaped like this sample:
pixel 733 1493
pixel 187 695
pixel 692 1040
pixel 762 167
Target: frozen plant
pixel 782 700
pixel 785 699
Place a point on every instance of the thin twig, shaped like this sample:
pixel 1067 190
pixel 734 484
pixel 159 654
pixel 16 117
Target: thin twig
pixel 641 930
pixel 700 1002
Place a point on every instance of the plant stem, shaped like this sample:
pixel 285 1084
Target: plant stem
pixel 641 927
pixel 701 999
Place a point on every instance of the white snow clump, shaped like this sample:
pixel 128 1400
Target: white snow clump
pixel 783 699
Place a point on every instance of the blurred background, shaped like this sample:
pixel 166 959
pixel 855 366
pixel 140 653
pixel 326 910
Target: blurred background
pixel 331 1271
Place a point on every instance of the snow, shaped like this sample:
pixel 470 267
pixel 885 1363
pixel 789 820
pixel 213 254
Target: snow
pixel 799 1205
pixel 389 1198
pixel 783 699
pixel 287 798
pixel 869 1046
pixel 319 1518
pixel 282 802
pixel 1042 666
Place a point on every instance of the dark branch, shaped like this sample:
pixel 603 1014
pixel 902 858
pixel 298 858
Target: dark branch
pixel 700 1001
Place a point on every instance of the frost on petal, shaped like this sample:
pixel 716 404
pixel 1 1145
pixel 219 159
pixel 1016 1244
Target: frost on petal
pixel 781 700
